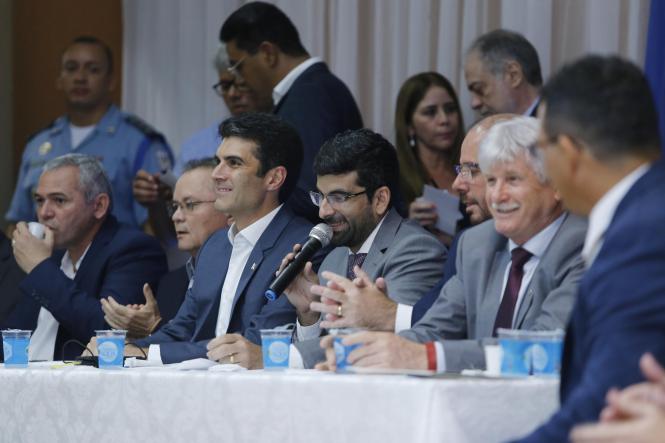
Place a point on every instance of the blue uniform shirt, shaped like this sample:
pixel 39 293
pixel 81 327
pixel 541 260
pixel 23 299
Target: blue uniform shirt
pixel 123 143
pixel 201 144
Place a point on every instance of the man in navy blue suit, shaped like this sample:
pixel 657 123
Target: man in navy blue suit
pixel 265 49
pixel 259 161
pixel 601 142
pixel 85 255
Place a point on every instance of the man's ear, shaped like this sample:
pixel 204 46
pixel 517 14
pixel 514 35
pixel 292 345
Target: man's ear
pixel 275 178
pixel 513 73
pixel 381 200
pixel 102 203
pixel 269 53
pixel 571 152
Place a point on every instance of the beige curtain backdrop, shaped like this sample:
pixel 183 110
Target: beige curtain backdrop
pixel 373 45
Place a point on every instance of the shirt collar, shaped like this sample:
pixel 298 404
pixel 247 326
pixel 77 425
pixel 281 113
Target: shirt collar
pixel 367 244
pixel 70 269
pixel 253 232
pixel 189 267
pixel 108 124
pixel 285 84
pixel 532 107
pixel 603 211
pixel 537 244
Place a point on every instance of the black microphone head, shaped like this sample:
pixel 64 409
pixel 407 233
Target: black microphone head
pixel 323 233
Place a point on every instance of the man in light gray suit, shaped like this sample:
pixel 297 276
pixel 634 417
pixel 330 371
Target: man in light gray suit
pixel 357 175
pixel 534 289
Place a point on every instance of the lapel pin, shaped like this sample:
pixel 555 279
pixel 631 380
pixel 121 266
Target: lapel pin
pixel 253 268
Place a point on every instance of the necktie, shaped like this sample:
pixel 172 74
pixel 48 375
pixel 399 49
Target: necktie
pixel 504 318
pixel 354 260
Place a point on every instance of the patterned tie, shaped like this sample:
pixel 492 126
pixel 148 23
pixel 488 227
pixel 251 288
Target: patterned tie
pixel 504 318
pixel 354 260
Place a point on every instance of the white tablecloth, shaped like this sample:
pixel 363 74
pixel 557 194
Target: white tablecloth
pixel 146 405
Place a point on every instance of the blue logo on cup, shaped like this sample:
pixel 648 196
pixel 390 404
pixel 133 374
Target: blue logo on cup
pixel 108 351
pixel 278 351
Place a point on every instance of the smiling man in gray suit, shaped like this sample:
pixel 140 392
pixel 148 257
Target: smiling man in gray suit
pixel 357 174
pixel 519 270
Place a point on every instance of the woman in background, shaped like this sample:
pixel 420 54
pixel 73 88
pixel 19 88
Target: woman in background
pixel 429 131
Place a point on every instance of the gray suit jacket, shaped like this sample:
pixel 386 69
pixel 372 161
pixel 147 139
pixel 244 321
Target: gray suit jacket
pixel 464 313
pixel 407 256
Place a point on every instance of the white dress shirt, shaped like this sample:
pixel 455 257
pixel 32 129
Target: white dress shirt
pixel 42 342
pixel 536 245
pixel 603 211
pixel 282 88
pixel 243 243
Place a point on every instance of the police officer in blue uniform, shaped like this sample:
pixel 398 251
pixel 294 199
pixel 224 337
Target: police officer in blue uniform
pixel 92 125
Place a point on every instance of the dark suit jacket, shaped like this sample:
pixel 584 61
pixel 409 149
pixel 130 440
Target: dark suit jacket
pixel 620 309
pixel 171 293
pixel 186 336
pixel 119 261
pixel 10 277
pixel 318 105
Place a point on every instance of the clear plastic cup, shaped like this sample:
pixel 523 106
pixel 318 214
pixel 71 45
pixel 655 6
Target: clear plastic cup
pixel 515 358
pixel 545 352
pixel 111 348
pixel 342 351
pixel 15 344
pixel 275 348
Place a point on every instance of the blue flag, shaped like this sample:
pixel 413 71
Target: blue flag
pixel 654 63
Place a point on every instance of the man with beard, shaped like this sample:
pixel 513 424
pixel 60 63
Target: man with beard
pixel 519 270
pixel 357 174
pixel 367 305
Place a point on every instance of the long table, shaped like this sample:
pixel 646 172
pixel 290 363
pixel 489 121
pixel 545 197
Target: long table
pixel 157 405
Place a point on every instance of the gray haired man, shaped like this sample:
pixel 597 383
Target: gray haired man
pixel 85 255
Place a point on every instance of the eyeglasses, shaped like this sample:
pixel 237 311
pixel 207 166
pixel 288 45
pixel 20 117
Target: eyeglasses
pixel 467 170
pixel 236 67
pixel 334 198
pixel 223 87
pixel 188 206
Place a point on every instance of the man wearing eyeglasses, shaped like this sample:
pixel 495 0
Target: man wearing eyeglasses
pixel 357 176
pixel 147 187
pixel 519 270
pixel 195 219
pixel 265 49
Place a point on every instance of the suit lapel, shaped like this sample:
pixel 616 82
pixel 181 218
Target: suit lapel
pixel 265 243
pixel 101 240
pixel 492 293
pixel 381 243
pixel 535 284
pixel 210 310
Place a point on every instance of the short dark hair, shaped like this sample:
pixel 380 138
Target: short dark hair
pixel 367 153
pixel 256 22
pixel 205 162
pixel 499 46
pixel 604 102
pixel 90 40
pixel 277 144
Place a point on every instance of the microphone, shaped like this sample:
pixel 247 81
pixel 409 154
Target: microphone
pixel 319 237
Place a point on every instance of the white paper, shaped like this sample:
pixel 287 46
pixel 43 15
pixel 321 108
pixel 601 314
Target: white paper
pixel 447 208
